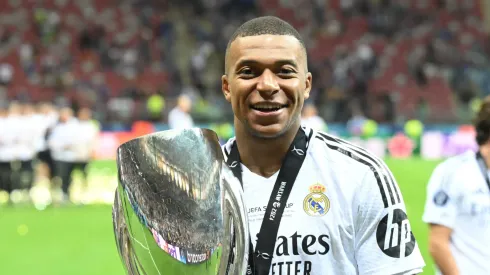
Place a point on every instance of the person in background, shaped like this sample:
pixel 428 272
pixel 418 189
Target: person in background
pixel 6 151
pixel 356 122
pixel 457 207
pixel 179 117
pixel 47 118
pixel 63 146
pixel 311 118
pixel 23 173
pixel 12 134
pixel 86 141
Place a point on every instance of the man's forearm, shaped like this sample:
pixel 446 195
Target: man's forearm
pixel 441 253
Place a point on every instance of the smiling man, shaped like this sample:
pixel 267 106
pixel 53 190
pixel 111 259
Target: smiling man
pixel 316 204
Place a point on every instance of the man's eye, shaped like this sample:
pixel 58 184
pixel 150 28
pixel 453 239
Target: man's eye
pixel 286 71
pixel 246 71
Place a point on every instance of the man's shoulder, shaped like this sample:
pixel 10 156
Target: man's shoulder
pixel 226 147
pixel 451 172
pixel 459 159
pixel 455 164
pixel 333 149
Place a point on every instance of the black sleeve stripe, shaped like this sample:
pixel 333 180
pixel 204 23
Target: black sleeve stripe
pixel 392 187
pixel 226 151
pixel 348 153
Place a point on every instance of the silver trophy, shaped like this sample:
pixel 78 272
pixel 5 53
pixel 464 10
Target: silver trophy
pixel 178 208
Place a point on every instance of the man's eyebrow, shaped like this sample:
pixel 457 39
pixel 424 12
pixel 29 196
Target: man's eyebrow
pixel 252 62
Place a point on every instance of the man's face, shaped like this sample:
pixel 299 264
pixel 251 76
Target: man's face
pixel 85 114
pixel 266 83
pixel 65 115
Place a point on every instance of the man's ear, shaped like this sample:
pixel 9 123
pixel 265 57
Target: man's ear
pixel 225 87
pixel 308 80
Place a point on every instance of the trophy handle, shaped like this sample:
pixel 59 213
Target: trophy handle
pixel 236 220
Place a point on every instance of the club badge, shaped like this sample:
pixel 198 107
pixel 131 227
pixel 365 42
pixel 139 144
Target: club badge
pixel 316 203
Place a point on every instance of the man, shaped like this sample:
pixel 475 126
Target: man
pixel 46 119
pixel 311 119
pixel 26 134
pixel 179 117
pixel 86 141
pixel 11 141
pixel 6 152
pixel 321 205
pixel 63 143
pixel 457 207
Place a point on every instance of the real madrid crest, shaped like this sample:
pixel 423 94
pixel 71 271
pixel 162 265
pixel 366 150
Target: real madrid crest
pixel 316 204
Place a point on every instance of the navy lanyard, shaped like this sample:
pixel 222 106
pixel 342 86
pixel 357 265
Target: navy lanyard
pixel 483 167
pixel 260 259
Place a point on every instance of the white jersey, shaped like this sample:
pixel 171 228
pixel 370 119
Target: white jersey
pixel 63 141
pixel 7 137
pixel 458 197
pixel 345 214
pixel 44 123
pixel 87 134
pixel 178 119
pixel 26 132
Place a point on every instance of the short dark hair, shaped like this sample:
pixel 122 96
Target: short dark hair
pixel 482 122
pixel 262 26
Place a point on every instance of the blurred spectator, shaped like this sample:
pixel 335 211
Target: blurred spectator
pixel 46 120
pixel 386 107
pixel 5 36
pixel 63 146
pixel 362 67
pixel 6 151
pixel 6 74
pixel 179 117
pixel 356 122
pixel 25 147
pixel 311 119
pixel 87 134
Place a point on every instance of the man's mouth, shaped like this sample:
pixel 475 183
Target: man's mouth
pixel 268 107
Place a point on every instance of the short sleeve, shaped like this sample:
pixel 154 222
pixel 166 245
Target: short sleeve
pixel 384 243
pixel 441 205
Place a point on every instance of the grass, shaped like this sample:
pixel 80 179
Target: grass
pixel 68 240
pixel 79 240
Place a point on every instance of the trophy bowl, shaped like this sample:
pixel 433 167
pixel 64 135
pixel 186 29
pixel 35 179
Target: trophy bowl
pixel 178 209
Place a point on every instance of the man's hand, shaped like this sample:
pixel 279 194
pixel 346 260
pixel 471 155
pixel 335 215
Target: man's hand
pixel 439 248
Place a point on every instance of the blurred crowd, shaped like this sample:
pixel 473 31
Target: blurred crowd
pixel 131 59
pixel 43 143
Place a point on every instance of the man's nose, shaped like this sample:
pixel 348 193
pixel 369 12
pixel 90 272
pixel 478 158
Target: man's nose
pixel 268 84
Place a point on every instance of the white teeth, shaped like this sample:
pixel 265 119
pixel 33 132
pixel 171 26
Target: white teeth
pixel 267 106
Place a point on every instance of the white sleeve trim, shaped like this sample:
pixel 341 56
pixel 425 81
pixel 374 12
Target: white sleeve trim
pixel 432 219
pixel 395 271
pixel 412 272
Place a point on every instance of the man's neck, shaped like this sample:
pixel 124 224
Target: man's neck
pixel 264 156
pixel 485 152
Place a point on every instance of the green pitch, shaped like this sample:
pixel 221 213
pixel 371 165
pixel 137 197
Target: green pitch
pixel 78 240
